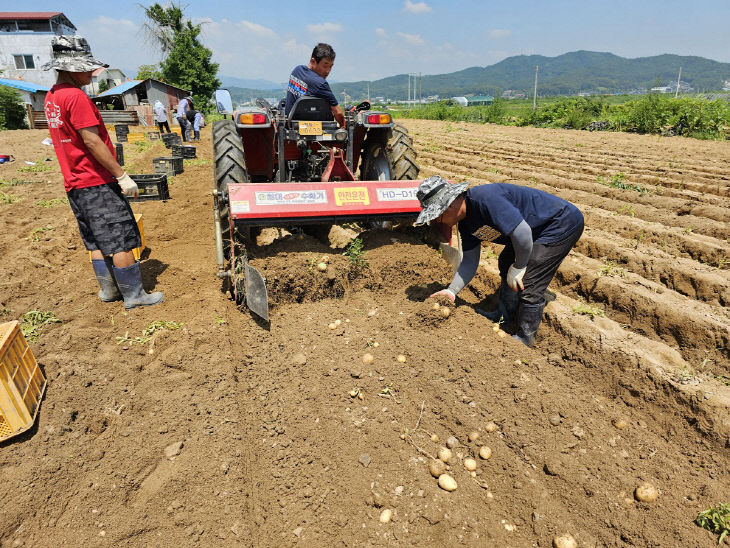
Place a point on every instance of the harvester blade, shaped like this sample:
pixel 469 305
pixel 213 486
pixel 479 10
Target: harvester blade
pixel 257 298
pixel 451 254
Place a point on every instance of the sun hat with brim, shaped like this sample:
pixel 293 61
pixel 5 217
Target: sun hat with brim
pixel 435 195
pixel 72 54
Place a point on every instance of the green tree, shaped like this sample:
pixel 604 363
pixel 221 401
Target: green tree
pixel 103 86
pixel 165 22
pixel 148 71
pixel 187 63
pixel 12 109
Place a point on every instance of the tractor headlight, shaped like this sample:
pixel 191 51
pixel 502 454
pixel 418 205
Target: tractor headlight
pixel 341 134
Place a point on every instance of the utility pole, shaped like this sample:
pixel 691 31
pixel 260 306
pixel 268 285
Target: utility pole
pixel 676 93
pixel 534 93
pixel 420 88
pixel 408 98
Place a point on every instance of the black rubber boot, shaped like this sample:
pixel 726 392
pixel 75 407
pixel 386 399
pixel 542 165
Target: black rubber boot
pixel 507 305
pixel 109 290
pixel 529 320
pixel 129 280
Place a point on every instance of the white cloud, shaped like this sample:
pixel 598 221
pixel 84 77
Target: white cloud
pixel 381 32
pixel 499 33
pixel 325 28
pixel 416 7
pixel 99 32
pixel 413 39
pixel 255 28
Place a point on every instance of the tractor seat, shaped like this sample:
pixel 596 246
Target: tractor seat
pixel 312 109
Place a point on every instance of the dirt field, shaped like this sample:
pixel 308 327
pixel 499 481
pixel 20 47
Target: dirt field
pixel 628 382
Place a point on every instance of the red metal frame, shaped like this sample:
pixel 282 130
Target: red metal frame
pixel 337 168
pixel 251 201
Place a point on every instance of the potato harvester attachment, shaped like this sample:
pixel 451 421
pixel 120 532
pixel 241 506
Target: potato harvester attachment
pixel 299 204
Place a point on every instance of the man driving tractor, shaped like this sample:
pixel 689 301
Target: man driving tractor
pixel 312 81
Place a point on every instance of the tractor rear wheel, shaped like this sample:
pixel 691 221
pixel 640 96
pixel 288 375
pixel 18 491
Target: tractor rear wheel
pixel 392 160
pixel 229 167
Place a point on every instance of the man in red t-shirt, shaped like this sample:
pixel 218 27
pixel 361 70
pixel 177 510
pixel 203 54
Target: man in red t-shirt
pixel 95 183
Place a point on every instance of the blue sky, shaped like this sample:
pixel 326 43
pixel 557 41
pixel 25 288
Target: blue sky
pixel 381 38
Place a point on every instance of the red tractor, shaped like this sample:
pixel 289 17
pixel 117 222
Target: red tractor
pixel 296 170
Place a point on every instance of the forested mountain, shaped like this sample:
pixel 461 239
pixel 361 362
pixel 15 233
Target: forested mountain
pixel 567 74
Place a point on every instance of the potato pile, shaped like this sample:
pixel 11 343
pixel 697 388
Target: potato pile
pixel 451 457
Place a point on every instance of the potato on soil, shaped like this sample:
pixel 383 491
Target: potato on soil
pixel 646 492
pixel 437 468
pixel 447 483
pixel 485 452
pixel 401 358
pixel 564 541
pixel 470 464
pixel 444 454
pixel 452 442
pixel 386 515
pixel 434 438
pixel 446 312
pixel 322 267
pixel 367 359
pixel 473 435
pixel 491 427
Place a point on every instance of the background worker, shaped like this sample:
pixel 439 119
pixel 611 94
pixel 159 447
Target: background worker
pixel 95 183
pixel 182 108
pixel 198 122
pixel 538 231
pixel 311 81
pixel 161 117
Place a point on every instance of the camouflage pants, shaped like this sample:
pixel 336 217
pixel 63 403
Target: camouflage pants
pixel 105 219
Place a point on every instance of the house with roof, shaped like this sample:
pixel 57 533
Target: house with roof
pixel 480 100
pixel 25 44
pixel 140 96
pixel 31 94
pixel 103 79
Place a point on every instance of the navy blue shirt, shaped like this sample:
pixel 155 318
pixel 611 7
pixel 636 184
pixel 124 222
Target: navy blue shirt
pixel 304 81
pixel 493 211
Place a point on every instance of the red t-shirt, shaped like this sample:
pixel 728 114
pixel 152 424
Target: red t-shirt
pixel 68 109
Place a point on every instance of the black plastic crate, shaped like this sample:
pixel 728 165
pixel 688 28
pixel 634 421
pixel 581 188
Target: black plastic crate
pixel 151 187
pixel 171 139
pixel 153 135
pixel 186 151
pixel 120 153
pixel 170 165
pixel 121 128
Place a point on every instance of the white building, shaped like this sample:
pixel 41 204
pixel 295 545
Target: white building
pixel 113 77
pixel 25 44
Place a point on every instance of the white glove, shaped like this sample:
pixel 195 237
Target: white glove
pixel 129 187
pixel 514 277
pixel 447 293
